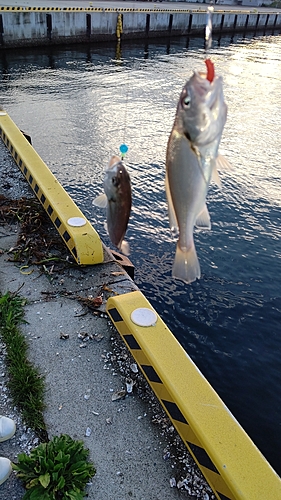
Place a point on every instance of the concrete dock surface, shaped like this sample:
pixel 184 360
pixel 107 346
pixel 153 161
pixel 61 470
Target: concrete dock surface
pixel 132 444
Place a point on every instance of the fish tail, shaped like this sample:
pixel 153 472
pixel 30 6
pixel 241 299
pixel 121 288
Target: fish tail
pixel 125 248
pixel 186 265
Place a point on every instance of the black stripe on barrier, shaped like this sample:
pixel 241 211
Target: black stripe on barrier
pixel 66 236
pixel 198 452
pixel 57 222
pixel 132 343
pixel 36 189
pixel 174 411
pixel 115 315
pixel 151 374
pixel 202 457
pixel 223 497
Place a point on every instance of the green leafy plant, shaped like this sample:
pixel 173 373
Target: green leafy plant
pixel 57 470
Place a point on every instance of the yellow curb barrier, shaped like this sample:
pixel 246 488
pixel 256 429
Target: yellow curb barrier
pixel 229 460
pixel 76 231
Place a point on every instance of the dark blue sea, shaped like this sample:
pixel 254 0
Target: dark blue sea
pixel 80 103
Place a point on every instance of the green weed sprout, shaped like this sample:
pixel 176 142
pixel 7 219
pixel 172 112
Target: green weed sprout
pixel 57 470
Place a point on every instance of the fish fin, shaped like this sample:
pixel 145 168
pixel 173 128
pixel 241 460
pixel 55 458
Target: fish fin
pixel 172 215
pixel 100 201
pixel 125 248
pixel 203 220
pixel 222 163
pixel 215 176
pixel 186 265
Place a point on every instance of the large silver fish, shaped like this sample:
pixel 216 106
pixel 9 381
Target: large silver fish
pixel 117 200
pixel 191 161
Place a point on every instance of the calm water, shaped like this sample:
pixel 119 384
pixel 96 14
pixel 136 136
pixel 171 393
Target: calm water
pixel 79 104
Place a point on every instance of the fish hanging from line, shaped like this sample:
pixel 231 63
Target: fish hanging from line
pixel 117 199
pixel 191 162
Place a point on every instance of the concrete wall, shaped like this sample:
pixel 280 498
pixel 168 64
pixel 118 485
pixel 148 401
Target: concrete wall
pixel 53 26
pixel 102 24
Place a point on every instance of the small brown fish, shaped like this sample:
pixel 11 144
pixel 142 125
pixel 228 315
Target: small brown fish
pixel 118 201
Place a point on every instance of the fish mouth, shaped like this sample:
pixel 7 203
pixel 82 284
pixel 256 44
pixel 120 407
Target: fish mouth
pixel 210 91
pixel 115 165
pixel 202 74
pixel 112 162
pixel 201 85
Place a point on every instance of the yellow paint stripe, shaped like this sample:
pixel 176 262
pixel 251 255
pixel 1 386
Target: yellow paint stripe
pixel 83 242
pixel 231 463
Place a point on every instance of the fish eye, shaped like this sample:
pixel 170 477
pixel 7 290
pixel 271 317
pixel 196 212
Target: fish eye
pixel 187 101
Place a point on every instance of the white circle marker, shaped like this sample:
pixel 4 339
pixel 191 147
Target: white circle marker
pixel 144 317
pixel 76 221
pixel 3 113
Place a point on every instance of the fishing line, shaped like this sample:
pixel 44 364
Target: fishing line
pixel 209 28
pixel 123 147
pixel 208 43
pixel 210 70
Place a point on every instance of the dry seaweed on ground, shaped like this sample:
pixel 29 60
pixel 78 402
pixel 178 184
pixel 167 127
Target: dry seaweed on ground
pixel 38 241
pixel 90 302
